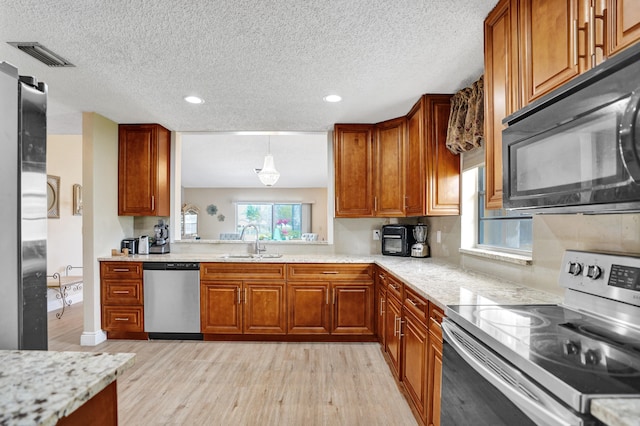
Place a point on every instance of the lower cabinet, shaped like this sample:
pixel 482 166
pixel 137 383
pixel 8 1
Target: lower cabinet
pixel 232 304
pixel 330 299
pixel 122 299
pixel 412 344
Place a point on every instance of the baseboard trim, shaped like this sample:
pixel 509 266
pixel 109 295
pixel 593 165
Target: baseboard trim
pixel 92 338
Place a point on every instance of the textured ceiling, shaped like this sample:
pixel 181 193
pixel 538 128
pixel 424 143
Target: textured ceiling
pixel 259 65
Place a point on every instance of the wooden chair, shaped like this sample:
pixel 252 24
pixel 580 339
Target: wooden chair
pixel 61 284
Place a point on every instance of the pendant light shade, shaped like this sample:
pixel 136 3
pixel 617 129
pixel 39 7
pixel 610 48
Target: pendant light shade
pixel 268 174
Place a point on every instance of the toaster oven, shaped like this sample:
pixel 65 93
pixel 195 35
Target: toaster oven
pixel 397 240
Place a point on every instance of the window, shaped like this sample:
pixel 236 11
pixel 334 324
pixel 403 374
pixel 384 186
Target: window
pixel 275 221
pixel 502 229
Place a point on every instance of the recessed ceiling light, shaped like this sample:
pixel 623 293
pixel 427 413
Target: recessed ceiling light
pixel 332 98
pixel 194 100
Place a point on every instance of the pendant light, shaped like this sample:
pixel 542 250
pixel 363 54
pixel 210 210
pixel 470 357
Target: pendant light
pixel 268 174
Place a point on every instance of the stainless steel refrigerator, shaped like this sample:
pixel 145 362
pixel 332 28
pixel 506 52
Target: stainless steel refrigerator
pixel 23 211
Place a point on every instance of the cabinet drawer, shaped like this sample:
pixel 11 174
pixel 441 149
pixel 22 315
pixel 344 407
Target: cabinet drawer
pixel 122 292
pixel 435 321
pixel 394 287
pixel 436 313
pixel 417 304
pixel 121 270
pixel 330 271
pixel 242 271
pixel 127 318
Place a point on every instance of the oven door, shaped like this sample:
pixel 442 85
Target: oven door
pixel 482 388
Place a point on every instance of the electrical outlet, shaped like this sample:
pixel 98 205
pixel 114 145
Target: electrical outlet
pixel 376 235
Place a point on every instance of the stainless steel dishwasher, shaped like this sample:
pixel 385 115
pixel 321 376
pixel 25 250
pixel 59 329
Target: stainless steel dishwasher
pixel 172 300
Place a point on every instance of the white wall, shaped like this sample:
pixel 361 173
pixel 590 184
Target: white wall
pixel 64 234
pixel 102 228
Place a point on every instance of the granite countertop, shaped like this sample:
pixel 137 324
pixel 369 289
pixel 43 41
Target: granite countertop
pixel 441 283
pixel 41 387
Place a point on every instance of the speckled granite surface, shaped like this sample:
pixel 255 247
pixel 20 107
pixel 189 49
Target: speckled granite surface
pixel 617 412
pixel 40 387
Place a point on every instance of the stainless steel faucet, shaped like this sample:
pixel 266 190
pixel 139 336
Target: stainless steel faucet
pixel 258 250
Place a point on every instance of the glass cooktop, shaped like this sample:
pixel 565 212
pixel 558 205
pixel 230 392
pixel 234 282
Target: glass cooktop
pixel 571 354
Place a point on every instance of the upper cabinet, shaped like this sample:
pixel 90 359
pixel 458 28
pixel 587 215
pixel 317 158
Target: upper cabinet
pixel 389 194
pixel 353 154
pixel 549 45
pixel 399 167
pixel 535 46
pixel 500 90
pixel 624 23
pixel 144 152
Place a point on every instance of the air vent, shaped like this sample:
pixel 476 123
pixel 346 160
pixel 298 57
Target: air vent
pixel 42 54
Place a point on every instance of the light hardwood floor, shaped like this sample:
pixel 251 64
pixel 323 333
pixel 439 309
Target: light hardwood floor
pixel 244 383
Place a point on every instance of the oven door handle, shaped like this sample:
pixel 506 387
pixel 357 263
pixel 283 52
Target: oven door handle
pixel 527 396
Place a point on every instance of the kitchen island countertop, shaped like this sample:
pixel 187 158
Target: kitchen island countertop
pixel 41 387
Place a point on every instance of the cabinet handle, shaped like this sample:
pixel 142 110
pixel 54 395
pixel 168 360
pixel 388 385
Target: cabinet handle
pixel 153 202
pixel 375 204
pixel 400 322
pixel 395 325
pixel 238 288
pixel 381 276
pixel 333 297
pixel 120 270
pixel 330 272
pixel 413 303
pixel 327 296
pixel 577 39
pixel 245 295
pixel 121 319
pixel 381 306
pixel 121 291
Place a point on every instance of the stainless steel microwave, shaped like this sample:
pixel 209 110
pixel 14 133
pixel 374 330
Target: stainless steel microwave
pixel 577 149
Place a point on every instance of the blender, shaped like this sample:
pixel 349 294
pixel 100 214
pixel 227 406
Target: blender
pixel 420 248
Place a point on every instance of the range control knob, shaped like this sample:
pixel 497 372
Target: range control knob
pixel 573 268
pixel 570 348
pixel 593 271
pixel 589 357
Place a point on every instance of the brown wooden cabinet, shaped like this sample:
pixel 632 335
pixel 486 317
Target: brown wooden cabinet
pixel 415 347
pixel 393 324
pixel 353 162
pixel 122 299
pixel 624 22
pixel 549 42
pixel 389 165
pixel 501 90
pixel 434 362
pixel 237 298
pixel 330 299
pixel 443 167
pixel 415 157
pixel 144 152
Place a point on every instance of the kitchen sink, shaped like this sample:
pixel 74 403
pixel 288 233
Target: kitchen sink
pixel 250 256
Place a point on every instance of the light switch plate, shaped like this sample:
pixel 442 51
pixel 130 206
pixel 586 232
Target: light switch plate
pixel 438 237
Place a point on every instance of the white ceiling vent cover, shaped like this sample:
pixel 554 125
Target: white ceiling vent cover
pixel 42 54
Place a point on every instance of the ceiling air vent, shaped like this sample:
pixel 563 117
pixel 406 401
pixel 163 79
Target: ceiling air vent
pixel 42 54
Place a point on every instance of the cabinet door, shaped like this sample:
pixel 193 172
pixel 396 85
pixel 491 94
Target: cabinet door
pixel 220 307
pixel 143 170
pixel 308 308
pixel 393 330
pixel 624 20
pixel 443 167
pixel 414 361
pixel 549 45
pixel 353 158
pixel 434 378
pixel 415 169
pixel 264 308
pixel 388 172
pixel 352 309
pixel 501 90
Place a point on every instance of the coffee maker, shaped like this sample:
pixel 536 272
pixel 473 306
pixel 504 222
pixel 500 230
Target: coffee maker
pixel 160 243
pixel 420 248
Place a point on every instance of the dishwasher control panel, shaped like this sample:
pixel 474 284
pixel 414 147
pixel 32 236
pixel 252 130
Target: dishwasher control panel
pixel 171 266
